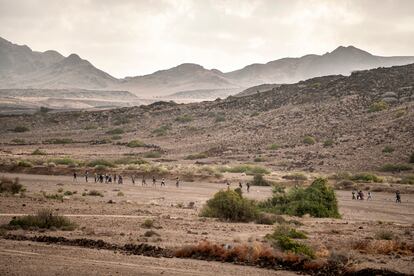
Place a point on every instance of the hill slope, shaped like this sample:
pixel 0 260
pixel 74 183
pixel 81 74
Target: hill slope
pixel 332 108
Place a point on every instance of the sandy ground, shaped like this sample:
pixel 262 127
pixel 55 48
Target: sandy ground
pixel 177 226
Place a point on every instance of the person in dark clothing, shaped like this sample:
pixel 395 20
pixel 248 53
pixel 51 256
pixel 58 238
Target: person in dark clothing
pixel 163 182
pixel 153 181
pixel 86 176
pixel 248 186
pixel 177 183
pixel 397 197
pixel 240 185
pixel 74 177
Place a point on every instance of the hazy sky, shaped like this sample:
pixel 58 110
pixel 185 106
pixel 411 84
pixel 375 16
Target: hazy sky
pixel 133 37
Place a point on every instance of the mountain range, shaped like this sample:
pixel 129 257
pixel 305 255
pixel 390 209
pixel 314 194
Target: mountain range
pixel 23 68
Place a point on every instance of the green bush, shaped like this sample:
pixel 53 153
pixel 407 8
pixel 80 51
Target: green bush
pixel 10 186
pixel 384 235
pixel 90 127
pixel 328 143
pixel 387 149
pixel 408 179
pixel 230 205
pixel 152 154
pixel 258 180
pixel 44 219
pixel 396 167
pixel 284 230
pixel 101 162
pixel 38 152
pixel 64 161
pixel 317 200
pixel 295 176
pixel 259 159
pixel 283 238
pixel 247 169
pixel 309 140
pixel 58 141
pixel 184 118
pixel 53 196
pixel 378 106
pixel 24 164
pixel 94 193
pixel 148 223
pixel 135 144
pixel 20 129
pixel 201 155
pixel 130 160
pixel 366 177
pixel 161 131
pixel 274 147
pixel 115 131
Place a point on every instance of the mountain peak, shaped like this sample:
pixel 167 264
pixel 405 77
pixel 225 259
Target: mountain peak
pixel 348 50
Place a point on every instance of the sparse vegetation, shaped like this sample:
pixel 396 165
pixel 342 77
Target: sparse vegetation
pixel 151 233
pixel 152 154
pixel 230 205
pixel 53 196
pixel 129 160
pixel 101 162
pixel 24 164
pixel 38 152
pixel 120 193
pixel 328 143
pixel 283 238
pixel 11 186
pixel 295 176
pixel 317 200
pixel 396 167
pixel 366 177
pixel 93 193
pixel 19 141
pixel 20 129
pixel 408 179
pixel 258 180
pixel 384 235
pixel 64 161
pixel 116 137
pixel 378 106
pixel 184 118
pixel 148 223
pixel 309 140
pixel 58 141
pixel 259 159
pixel 44 219
pixel 195 156
pixel 135 144
pixel 115 131
pixel 274 147
pixel 247 169
pixel 219 118
pixel 388 149
pixel 161 131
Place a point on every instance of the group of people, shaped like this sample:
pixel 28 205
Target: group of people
pixel 109 178
pixel 359 195
pixel 240 186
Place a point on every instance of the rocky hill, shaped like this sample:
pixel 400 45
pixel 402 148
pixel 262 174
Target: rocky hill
pixel 331 123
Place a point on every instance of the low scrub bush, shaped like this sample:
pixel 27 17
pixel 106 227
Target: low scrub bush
pixel 20 129
pixel 148 223
pixel 184 118
pixel 64 161
pixel 247 169
pixel 44 219
pixel 101 162
pixel 8 185
pixel 309 140
pixel 258 180
pixel 151 233
pixel 328 143
pixel 38 152
pixel 161 131
pixel 130 160
pixel 152 154
pixel 19 141
pixel 317 200
pixel 115 131
pixel 384 235
pixel 53 196
pixel 24 164
pixel 388 149
pixel 366 177
pixel 195 156
pixel 93 193
pixel 259 159
pixel 396 167
pixel 230 205
pixel 135 144
pixel 408 179
pixel 378 106
pixel 283 238
pixel 120 193
pixel 58 141
pixel 274 147
pixel 295 176
pixel 116 137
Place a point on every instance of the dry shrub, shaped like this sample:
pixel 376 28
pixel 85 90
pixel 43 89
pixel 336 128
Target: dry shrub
pixel 384 247
pixel 314 265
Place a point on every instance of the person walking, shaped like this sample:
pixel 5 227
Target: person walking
pixel 248 186
pixel 86 176
pixel 75 177
pixel 397 197
pixel 353 195
pixel 163 182
pixel 154 181
pixel 369 196
pixel 177 183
